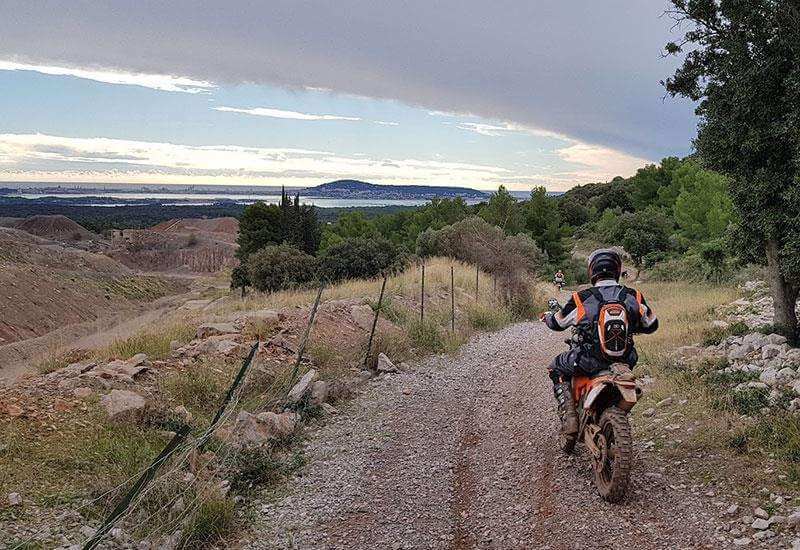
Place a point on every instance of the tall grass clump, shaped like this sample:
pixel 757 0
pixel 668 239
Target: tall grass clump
pixel 155 343
pixel 486 317
pixel 426 336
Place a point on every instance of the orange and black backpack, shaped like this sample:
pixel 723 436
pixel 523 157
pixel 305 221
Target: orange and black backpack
pixel 612 332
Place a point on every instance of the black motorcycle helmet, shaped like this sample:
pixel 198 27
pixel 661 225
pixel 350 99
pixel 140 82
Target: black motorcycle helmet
pixel 604 263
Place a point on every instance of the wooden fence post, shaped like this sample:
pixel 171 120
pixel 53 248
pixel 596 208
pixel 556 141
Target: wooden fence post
pixel 422 297
pixel 452 300
pixel 375 322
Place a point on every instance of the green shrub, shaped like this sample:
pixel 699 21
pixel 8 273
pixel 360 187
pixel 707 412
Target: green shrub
pixel 396 346
pixel 426 336
pixel 359 258
pixel 209 523
pixel 713 336
pixel 484 317
pixel 777 433
pixel 279 267
pixel 258 467
pixel 747 401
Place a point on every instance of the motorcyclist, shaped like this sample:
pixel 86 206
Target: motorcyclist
pixel 582 311
pixel 558 279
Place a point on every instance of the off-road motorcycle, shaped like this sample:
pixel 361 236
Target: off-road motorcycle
pixel 603 402
pixel 559 284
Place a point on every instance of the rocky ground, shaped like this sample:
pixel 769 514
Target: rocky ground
pixel 461 453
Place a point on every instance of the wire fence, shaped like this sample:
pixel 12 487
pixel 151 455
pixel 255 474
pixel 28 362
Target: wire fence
pixel 183 447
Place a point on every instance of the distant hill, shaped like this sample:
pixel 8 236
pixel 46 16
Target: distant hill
pixel 56 227
pixel 354 189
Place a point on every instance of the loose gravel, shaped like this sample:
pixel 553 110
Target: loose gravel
pixel 462 453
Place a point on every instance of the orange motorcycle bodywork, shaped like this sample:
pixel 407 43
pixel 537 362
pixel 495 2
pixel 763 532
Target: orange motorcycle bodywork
pixel 585 389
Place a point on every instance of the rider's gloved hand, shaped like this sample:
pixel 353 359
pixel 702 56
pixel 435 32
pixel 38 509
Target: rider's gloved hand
pixel 542 316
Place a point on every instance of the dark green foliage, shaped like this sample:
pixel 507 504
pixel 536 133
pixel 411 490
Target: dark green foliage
pixel 542 219
pixel 270 224
pixel 502 211
pixel 239 277
pixel 742 65
pixel 715 335
pixel 360 258
pixel 644 233
pixel 279 267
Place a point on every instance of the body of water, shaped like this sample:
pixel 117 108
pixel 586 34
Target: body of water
pixel 200 199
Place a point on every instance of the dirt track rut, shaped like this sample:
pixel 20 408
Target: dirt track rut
pixel 461 453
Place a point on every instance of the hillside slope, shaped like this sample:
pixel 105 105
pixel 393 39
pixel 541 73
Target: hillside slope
pixel 46 286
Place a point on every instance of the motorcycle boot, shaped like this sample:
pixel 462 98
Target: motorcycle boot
pixel 566 408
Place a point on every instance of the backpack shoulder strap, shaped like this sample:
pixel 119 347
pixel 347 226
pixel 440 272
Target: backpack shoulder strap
pixel 581 310
pixel 597 294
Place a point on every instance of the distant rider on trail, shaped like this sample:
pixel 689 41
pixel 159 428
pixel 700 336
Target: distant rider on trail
pixel 558 279
pixel 606 316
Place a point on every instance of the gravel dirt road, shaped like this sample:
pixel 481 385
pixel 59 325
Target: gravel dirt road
pixel 461 453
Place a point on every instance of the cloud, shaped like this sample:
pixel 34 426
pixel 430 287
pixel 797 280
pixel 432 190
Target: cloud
pixel 166 83
pixel 37 155
pixel 586 70
pixel 278 113
pixel 385 123
pixel 33 157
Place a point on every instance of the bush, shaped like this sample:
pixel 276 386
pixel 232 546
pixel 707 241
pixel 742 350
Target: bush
pixel 713 336
pixel 359 258
pixel 279 267
pixel 513 260
pixel 426 336
pixel 483 317
pixel 210 522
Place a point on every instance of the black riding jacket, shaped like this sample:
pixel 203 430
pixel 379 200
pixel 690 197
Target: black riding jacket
pixel 583 309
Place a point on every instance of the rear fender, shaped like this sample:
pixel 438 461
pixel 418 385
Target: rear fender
pixel 628 394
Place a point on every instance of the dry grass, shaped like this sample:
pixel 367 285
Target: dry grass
pixel 86 454
pixel 406 284
pixel 734 446
pixel 684 311
pixel 155 342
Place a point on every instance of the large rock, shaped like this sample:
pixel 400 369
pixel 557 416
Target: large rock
pixel 786 375
pixel 769 376
pixel 792 356
pixel 737 353
pixel 227 347
pixel 122 403
pixel 299 390
pixel 362 315
pixel 319 392
pixel 215 329
pixel 385 364
pixel 119 370
pixel 754 339
pixel 776 339
pixel 772 350
pixel 259 429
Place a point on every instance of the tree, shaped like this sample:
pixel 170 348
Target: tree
pixel 349 226
pixel 644 233
pixel 648 184
pixel 359 258
pixel 278 267
pixel 742 65
pixel 502 210
pixel 703 209
pixel 542 219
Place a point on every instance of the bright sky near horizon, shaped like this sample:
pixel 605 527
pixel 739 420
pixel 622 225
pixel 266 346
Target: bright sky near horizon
pixel 515 92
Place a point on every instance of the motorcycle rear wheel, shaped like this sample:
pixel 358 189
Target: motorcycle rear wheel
pixel 613 468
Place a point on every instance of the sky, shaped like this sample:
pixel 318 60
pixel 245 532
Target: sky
pixel 471 93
